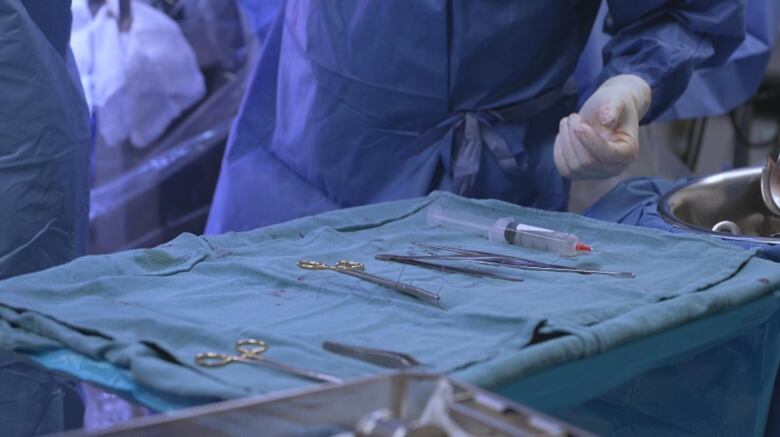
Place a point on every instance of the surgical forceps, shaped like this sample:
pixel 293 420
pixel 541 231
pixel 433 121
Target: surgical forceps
pixel 250 351
pixel 380 357
pixel 417 262
pixel 511 261
pixel 356 270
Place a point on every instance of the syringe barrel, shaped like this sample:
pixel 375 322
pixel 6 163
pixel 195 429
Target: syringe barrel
pixel 547 240
pixel 506 230
pixel 459 221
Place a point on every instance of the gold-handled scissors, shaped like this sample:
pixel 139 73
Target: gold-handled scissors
pixel 250 351
pixel 356 270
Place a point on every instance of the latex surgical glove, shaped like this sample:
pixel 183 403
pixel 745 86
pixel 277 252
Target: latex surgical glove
pixel 603 139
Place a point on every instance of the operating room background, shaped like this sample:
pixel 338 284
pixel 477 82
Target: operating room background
pixel 144 196
pixel 189 60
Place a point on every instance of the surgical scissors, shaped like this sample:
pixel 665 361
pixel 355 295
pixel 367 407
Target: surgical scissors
pixel 250 351
pixel 511 261
pixel 356 270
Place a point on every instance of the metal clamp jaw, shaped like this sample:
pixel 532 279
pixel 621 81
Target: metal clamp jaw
pixel 125 19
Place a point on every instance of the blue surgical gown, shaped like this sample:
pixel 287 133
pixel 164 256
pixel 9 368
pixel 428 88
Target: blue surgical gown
pixel 44 139
pixel 354 102
pixel 44 197
pixel 706 94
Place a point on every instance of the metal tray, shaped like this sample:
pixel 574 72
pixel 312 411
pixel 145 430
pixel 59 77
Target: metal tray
pixel 330 410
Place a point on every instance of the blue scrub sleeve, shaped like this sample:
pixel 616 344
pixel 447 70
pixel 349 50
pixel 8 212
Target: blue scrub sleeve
pixel 664 42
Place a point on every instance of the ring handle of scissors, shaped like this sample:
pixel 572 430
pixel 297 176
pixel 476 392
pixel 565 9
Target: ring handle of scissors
pixel 350 265
pixel 341 265
pixel 252 348
pixel 313 265
pixel 213 359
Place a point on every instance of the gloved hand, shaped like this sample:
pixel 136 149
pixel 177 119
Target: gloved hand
pixel 603 139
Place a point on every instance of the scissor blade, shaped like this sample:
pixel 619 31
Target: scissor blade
pixel 384 358
pixel 299 371
pixel 407 289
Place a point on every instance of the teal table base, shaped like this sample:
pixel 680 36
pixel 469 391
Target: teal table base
pixel 713 376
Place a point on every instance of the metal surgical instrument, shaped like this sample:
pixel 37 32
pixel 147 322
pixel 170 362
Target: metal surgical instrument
pixel 380 357
pixel 356 270
pixel 250 351
pixel 511 261
pixel 416 261
pixel 770 185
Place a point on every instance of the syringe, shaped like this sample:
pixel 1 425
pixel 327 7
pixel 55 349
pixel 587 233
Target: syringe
pixel 508 230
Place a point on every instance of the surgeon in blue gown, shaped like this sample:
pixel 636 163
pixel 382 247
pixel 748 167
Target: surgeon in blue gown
pixel 44 139
pixel 355 102
pixel 44 150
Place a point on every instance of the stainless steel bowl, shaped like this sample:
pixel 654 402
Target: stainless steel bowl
pixel 733 196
